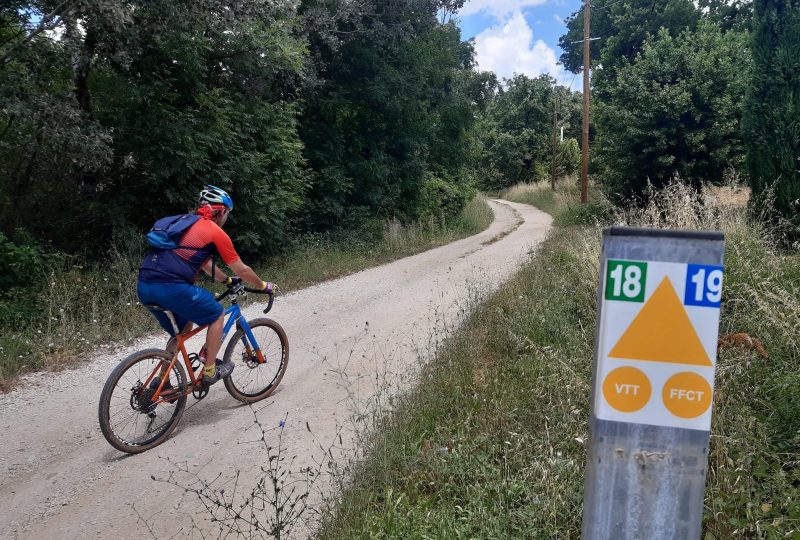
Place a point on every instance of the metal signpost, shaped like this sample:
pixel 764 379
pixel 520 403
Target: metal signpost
pixel 653 380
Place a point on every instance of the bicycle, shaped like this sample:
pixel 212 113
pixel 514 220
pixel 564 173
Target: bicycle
pixel 150 388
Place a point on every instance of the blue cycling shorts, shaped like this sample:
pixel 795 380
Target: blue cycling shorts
pixel 187 302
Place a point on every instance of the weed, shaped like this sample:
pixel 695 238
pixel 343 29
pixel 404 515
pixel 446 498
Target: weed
pixel 271 504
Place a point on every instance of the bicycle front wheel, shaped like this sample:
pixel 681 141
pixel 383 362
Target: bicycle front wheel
pixel 251 380
pixel 129 418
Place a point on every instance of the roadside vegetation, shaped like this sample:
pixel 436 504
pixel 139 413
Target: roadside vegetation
pixel 54 322
pixel 491 444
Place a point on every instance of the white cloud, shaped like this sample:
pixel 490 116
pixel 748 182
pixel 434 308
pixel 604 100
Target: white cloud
pixel 498 8
pixel 508 48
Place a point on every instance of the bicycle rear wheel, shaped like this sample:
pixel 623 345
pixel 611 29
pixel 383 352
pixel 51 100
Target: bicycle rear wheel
pixel 129 419
pixel 252 381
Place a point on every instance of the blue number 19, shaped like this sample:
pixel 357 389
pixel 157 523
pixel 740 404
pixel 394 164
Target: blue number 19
pixel 703 286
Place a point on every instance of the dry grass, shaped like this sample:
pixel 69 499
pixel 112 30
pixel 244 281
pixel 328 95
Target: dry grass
pixel 732 196
pixel 563 203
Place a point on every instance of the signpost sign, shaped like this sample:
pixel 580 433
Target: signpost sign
pixel 655 351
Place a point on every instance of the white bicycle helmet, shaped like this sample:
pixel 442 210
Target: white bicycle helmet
pixel 214 195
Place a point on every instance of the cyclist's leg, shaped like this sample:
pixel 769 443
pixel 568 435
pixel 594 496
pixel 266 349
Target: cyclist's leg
pixel 193 304
pixel 187 303
pixel 204 310
pixel 214 340
pixel 150 294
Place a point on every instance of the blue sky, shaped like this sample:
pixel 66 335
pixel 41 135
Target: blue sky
pixel 518 36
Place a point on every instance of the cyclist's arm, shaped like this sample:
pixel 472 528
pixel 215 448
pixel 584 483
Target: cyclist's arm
pixel 246 273
pixel 219 275
pixel 225 248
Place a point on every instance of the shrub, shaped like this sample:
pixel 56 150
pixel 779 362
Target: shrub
pixel 568 157
pixel 19 262
pixel 442 199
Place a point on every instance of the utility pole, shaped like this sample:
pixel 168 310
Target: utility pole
pixel 555 144
pixel 587 7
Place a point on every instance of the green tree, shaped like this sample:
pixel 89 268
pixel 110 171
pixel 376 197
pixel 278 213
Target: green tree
pixel 570 112
pixel 728 14
pixel 395 100
pixel 623 26
pixel 136 104
pixel 568 157
pixel 674 110
pixel 516 132
pixel 313 115
pixel 772 113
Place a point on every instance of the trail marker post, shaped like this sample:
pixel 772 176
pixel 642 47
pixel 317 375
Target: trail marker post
pixel 653 379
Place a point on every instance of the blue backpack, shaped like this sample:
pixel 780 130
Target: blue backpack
pixel 167 232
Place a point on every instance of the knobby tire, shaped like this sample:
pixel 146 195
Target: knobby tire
pixel 125 370
pixel 275 347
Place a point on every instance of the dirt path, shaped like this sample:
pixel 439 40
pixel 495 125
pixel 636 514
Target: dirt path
pixel 60 479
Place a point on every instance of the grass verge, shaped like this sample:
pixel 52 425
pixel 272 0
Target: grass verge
pixel 318 258
pixel 563 203
pixel 79 307
pixel 491 443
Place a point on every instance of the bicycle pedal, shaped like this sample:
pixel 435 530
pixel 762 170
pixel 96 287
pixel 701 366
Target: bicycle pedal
pixel 200 390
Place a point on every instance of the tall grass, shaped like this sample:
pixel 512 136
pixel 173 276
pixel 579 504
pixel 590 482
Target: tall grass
pixel 80 307
pixel 492 442
pixel 563 203
pixel 317 258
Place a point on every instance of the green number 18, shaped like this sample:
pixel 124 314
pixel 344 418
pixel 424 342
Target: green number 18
pixel 625 280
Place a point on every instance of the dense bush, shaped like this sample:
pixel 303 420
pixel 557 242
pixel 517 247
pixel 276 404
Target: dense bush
pixel 673 111
pixel 773 109
pixel 568 157
pixel 20 262
pixel 315 115
pixel 441 199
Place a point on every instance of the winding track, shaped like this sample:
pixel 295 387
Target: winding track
pixel 60 479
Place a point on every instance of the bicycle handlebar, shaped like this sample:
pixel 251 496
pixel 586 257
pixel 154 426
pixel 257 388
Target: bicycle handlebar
pixel 250 290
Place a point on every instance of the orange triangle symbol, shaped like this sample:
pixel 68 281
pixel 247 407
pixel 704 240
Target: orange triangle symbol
pixel 662 332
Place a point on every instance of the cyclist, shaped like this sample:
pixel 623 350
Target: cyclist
pixel 167 278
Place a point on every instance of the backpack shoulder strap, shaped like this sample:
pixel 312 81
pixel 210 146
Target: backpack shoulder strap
pixel 192 219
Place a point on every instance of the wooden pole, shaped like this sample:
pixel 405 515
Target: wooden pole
pixel 585 142
pixel 555 139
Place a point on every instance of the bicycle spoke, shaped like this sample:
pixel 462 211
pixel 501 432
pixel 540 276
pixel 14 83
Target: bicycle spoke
pixel 133 418
pixel 251 378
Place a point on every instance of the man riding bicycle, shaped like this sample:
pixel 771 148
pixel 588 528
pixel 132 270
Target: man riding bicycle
pixel 167 278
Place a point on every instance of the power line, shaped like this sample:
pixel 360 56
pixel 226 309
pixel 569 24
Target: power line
pixel 606 6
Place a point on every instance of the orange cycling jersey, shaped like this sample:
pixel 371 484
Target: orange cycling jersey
pixel 203 233
pixel 204 239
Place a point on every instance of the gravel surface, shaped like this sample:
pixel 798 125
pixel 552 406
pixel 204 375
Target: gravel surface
pixel 60 479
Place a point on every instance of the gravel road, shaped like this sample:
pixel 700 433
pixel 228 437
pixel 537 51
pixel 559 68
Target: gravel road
pixel 60 479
